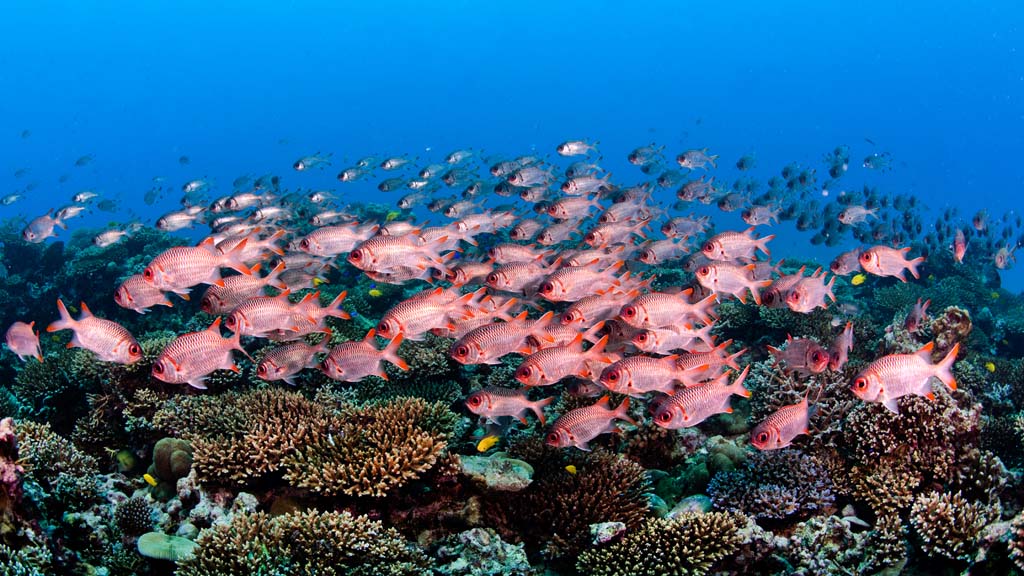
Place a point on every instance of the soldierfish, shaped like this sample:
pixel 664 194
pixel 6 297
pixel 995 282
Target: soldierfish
pixel 579 426
pixel 729 246
pixel 219 299
pixel 494 402
pixel 284 362
pixel 353 361
pixel 886 261
pixel 23 340
pixel 781 427
pixel 664 310
pixel 916 316
pixel 840 349
pixel 41 228
pixel 138 295
pixel 550 365
pixel 728 278
pixel 191 357
pixel 178 269
pixel 691 406
pixel 639 375
pixel 802 356
pixel 891 377
pixel 110 341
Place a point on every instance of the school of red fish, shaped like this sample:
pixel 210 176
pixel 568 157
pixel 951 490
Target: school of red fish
pixel 567 291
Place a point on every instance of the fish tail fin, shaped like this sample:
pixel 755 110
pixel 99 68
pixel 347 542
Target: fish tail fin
pixel 713 159
pixel 828 288
pixel 622 413
pixel 944 369
pixel 270 242
pixel 233 259
pixel 730 360
pixel 912 266
pixel 538 408
pixel 737 385
pixel 334 308
pixel 762 244
pixel 390 353
pixel 274 278
pixel 65 321
pixel 235 340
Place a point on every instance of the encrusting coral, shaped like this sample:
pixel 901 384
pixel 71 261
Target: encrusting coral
pixel 779 485
pixel 688 545
pixel 322 543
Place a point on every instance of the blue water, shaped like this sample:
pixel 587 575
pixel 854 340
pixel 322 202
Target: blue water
pixel 248 87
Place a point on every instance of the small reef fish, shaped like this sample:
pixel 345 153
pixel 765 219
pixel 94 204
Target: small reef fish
pixel 23 340
pixel 959 246
pixel 693 159
pixel 138 295
pixel 639 375
pixel 191 357
pixel 108 340
pixel 576 148
pixel 846 263
pixel 579 426
pixel 487 442
pixel 180 268
pixel 916 316
pixel 354 361
pixel 891 377
pixel 493 402
pixel 736 245
pixel 285 362
pixel 313 161
pixel 550 365
pixel 691 406
pixel 41 228
pixel 886 261
pixel 840 349
pixel 781 427
pixel 801 356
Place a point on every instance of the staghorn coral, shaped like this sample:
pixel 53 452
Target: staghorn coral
pixel 1016 542
pixel 241 439
pixel 55 391
pixel 25 561
pixel 322 543
pixel 689 545
pixel 378 448
pixel 778 485
pixel 948 525
pixel 558 507
pixel 887 485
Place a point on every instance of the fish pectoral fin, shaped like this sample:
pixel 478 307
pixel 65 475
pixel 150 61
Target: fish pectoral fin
pixel 199 383
pixel 891 404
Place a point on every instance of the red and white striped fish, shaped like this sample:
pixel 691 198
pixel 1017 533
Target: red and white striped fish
pixel 579 426
pixel 886 261
pixel 781 427
pixel 891 377
pixel 138 295
pixel 110 341
pixel 191 357
pixel 182 267
pixel 23 340
pixel 353 361
pixel 284 362
pixel 691 406
pixel 493 403
pixel 550 365
pixel 220 299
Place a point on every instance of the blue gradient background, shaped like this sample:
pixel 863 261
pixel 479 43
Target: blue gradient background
pixel 250 87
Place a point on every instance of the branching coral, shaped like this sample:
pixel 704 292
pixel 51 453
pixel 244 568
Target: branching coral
pixel 68 477
pixel 689 545
pixel 949 525
pixel 322 543
pixel 378 448
pixel 557 509
pixel 778 485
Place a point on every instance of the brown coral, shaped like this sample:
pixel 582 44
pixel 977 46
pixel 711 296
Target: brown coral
pixel 688 545
pixel 322 543
pixel 949 525
pixel 378 448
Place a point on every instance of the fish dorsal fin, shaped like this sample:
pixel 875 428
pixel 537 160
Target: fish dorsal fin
pixel 370 335
pixel 604 401
pixel 85 311
pixel 925 351
pixel 215 327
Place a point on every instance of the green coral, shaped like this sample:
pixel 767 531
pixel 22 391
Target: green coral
pixel 69 477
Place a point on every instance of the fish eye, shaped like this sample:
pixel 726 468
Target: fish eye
pixel 524 371
pixel 834 266
pixel 816 357
pixel 552 438
pixel 262 370
pixel 147 273
pixel 356 255
pixel 492 278
pixel 299 166
pixel 474 400
pixel 703 271
pixel 304 243
pixel 865 257
pixel 762 438
pixel 613 376
pixel 158 368
pixel 746 214
pixel 547 287
pixel 383 328
pixel 641 337
pixel 462 351
pixel 629 311
pixel 860 383
pixel 665 416
pixel 135 350
pixel 709 247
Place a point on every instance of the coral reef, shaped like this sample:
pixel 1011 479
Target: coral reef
pixel 948 525
pixel 689 545
pixel 323 543
pixel 134 516
pixel 778 485
pixel 481 552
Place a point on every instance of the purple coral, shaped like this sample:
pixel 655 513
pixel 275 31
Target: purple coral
pixel 779 485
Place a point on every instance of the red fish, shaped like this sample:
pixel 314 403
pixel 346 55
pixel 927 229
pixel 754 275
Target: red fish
pixel 959 246
pixel 736 245
pixel 220 299
pixel 284 362
pixel 23 340
pixel 728 278
pixel 110 341
pixel 493 403
pixel 138 295
pixel 781 427
pixel 421 313
pixel 802 356
pixel 886 261
pixel 191 357
pixel 579 426
pixel 488 343
pixel 809 293
pixel 840 349
pixel 891 377
pixel 550 365
pixel 353 361
pixel 691 406
pixel 663 310
pixel 182 267
pixel 638 375
pixel 915 319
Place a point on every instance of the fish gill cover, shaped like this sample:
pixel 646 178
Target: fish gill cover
pixel 517 289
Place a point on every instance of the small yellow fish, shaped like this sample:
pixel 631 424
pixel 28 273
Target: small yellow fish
pixel 990 366
pixel 571 469
pixel 994 295
pixel 375 292
pixel 392 215
pixel 858 279
pixel 486 443
pixel 318 281
pixel 149 479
